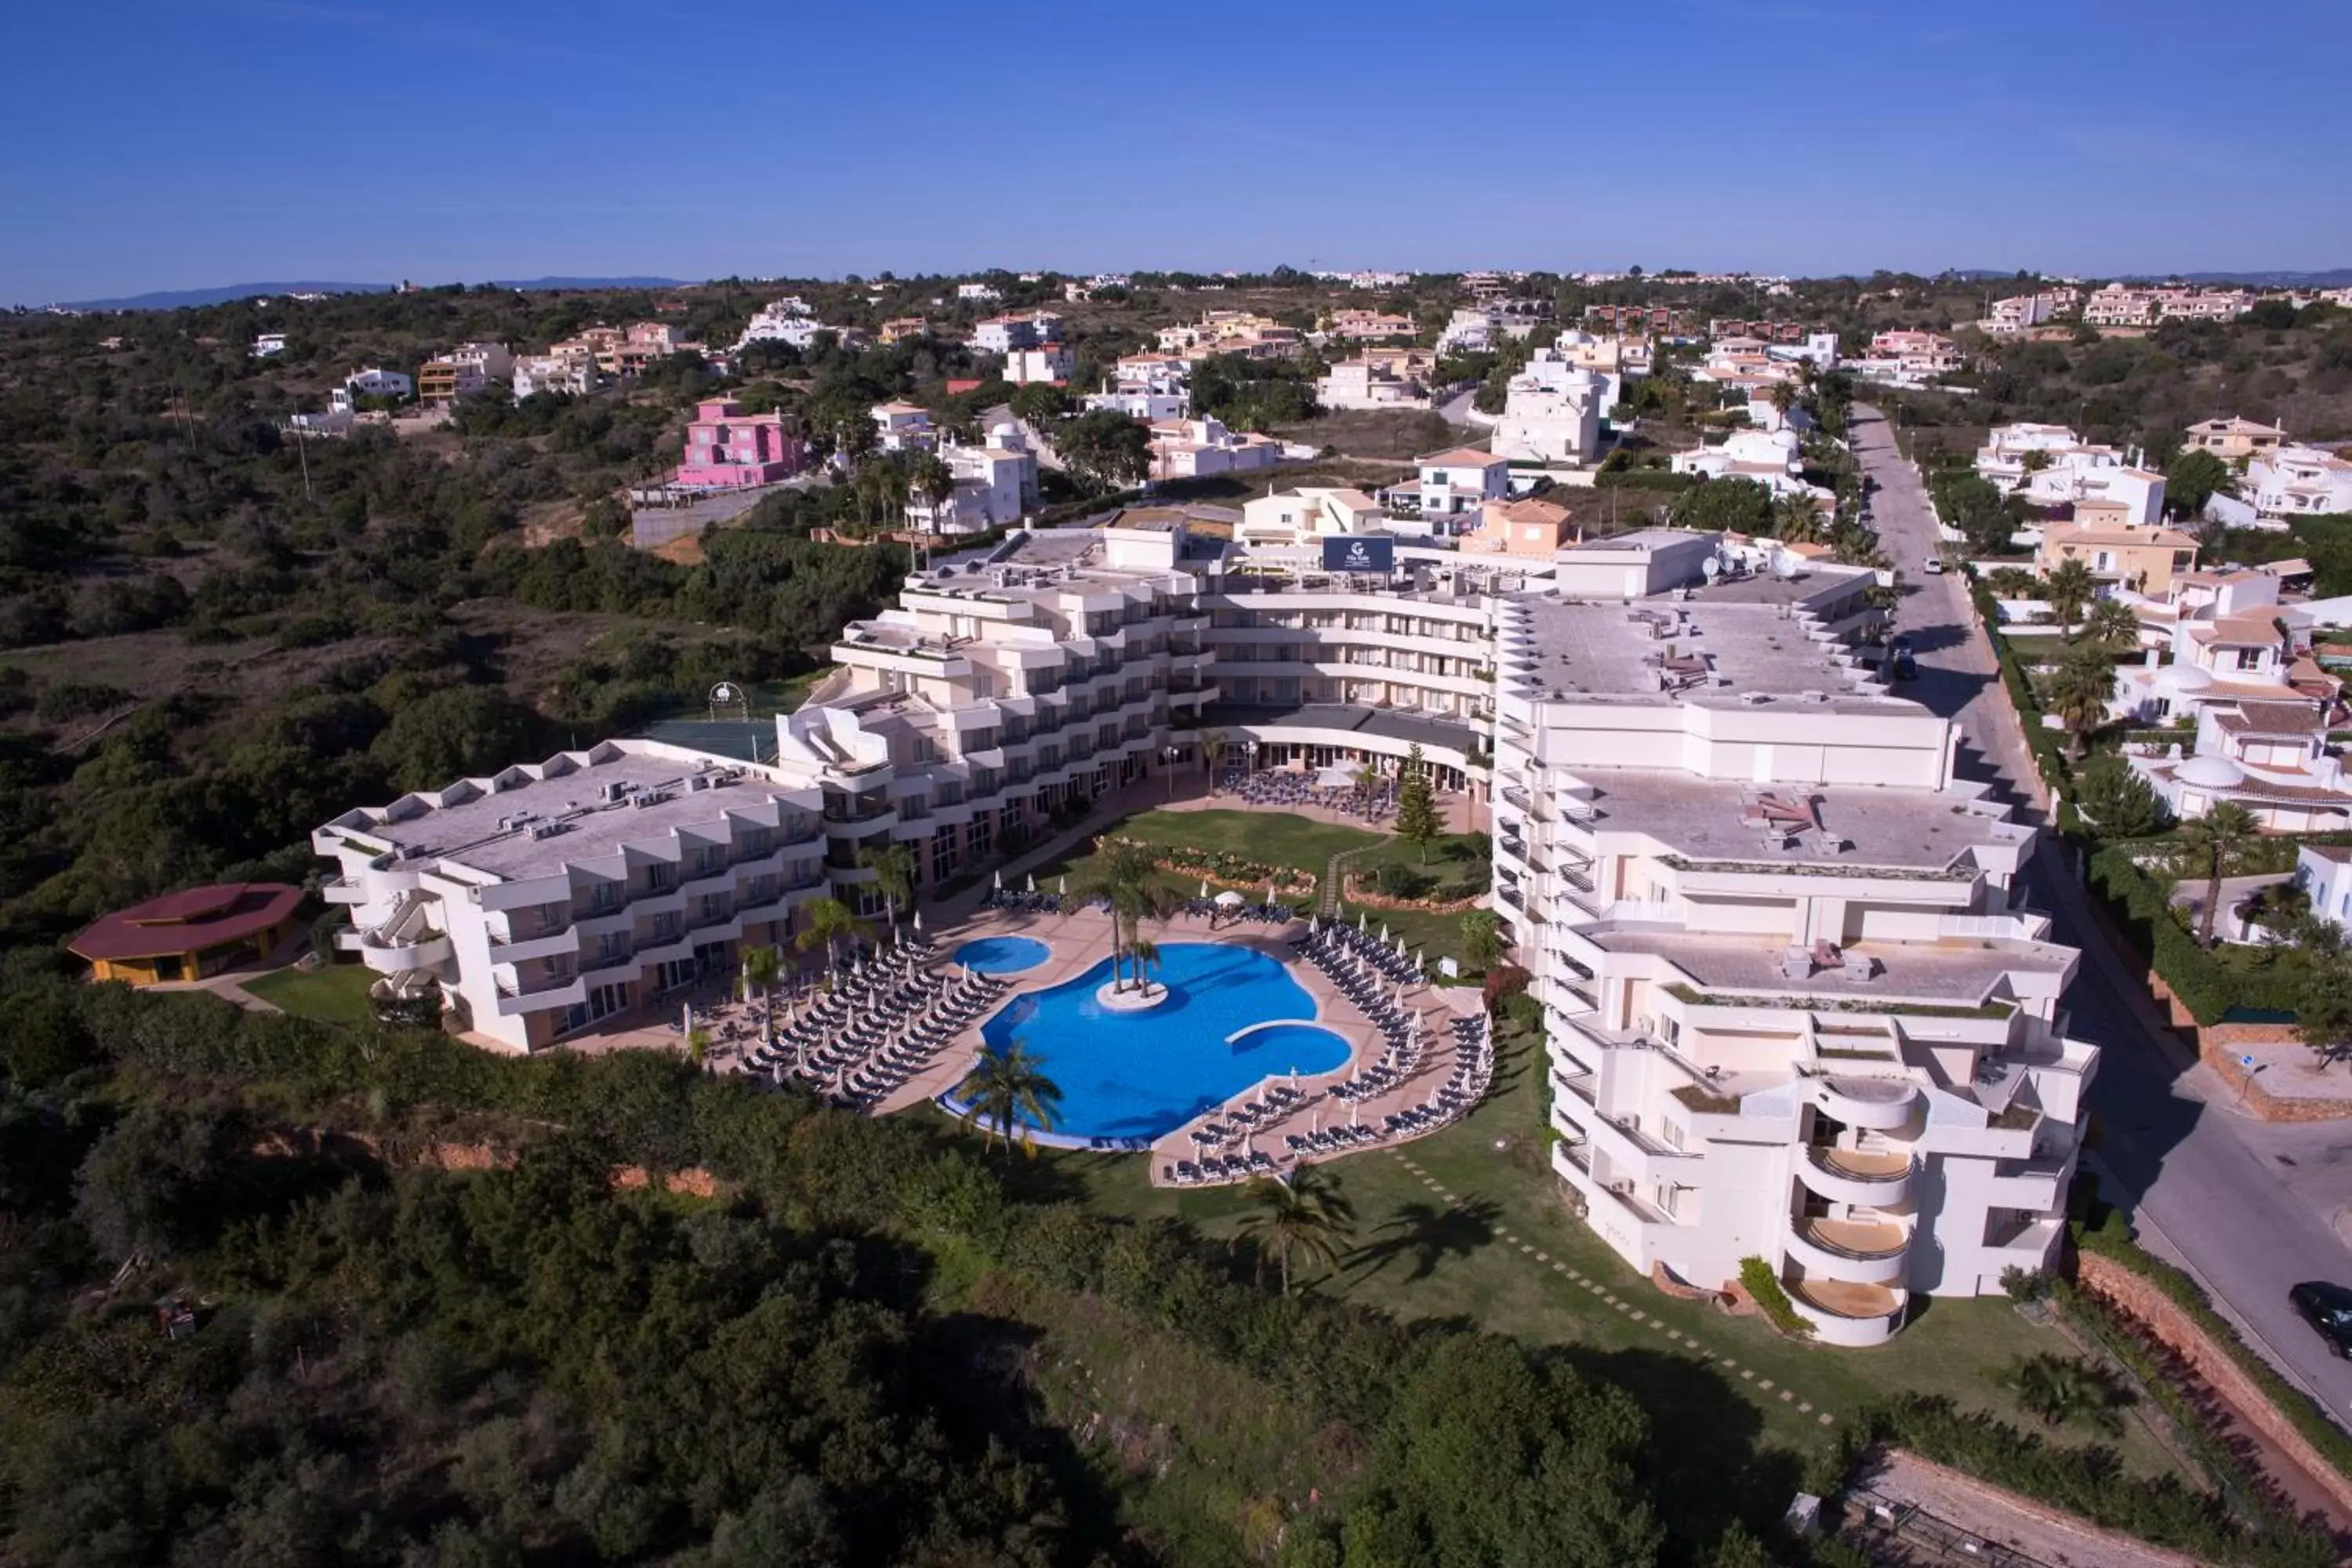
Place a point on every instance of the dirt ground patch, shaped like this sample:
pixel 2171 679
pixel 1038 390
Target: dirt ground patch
pixel 1897 1479
pixel 1382 433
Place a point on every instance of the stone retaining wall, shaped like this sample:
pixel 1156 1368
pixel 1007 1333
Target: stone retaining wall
pixel 2218 1046
pixel 2142 1299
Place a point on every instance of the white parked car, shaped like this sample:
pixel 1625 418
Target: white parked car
pixel 1933 567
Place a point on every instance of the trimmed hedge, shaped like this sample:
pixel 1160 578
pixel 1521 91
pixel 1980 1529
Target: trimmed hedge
pixel 2141 905
pixel 2048 757
pixel 2108 1235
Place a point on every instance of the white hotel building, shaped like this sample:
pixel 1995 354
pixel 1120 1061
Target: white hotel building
pixel 1794 1008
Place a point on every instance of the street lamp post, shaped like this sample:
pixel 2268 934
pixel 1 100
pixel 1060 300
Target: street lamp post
pixel 1168 755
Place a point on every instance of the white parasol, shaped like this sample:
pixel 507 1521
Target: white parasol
pixel 1229 900
pixel 1032 882
pixel 1000 878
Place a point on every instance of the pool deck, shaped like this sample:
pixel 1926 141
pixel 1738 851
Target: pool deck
pixel 1081 939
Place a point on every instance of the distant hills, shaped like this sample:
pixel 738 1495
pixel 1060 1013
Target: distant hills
pixel 184 298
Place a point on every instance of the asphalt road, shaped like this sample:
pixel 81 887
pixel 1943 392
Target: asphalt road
pixel 2196 1189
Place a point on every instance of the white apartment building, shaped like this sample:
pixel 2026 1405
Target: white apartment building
pixel 267 345
pixel 1451 483
pixel 2297 481
pixel 551 895
pixel 1795 1010
pixel 1020 330
pixel 1365 325
pixel 1137 401
pixel 2240 671
pixel 369 383
pixel 995 483
pixel 2053 466
pixel 1388 381
pixel 987 292
pixel 2233 439
pixel 567 373
pixel 2117 305
pixel 1195 449
pixel 2007 316
pixel 1294 519
pixel 1047 365
pixel 1552 412
pixel 903 428
pixel 1773 458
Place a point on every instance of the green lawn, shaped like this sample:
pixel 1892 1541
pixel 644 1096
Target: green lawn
pixel 1458 858
pixel 337 994
pixel 1484 1250
pixel 1278 838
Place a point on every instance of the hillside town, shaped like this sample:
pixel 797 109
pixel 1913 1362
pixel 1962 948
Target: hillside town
pixel 1454 841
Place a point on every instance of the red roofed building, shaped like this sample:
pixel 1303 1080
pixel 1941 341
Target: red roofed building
pixel 191 934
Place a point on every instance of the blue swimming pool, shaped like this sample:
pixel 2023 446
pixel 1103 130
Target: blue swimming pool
pixel 1143 1074
pixel 1002 954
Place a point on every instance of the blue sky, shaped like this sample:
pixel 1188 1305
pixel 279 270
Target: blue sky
pixel 158 145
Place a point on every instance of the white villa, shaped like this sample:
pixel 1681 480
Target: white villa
pixel 996 482
pixel 1551 411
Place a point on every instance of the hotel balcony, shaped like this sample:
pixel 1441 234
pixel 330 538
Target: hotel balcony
pixel 1850 1315
pixel 1853 1176
pixel 404 941
pixel 1852 1251
pixel 546 944
pixel 1874 1104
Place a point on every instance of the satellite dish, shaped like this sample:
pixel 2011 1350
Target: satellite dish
pixel 1712 568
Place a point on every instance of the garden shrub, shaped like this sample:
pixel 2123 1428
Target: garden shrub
pixel 1758 1278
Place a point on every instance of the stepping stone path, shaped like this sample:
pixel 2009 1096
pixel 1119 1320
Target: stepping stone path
pixel 1576 1276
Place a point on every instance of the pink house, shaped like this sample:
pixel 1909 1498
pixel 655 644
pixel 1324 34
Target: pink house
pixel 726 447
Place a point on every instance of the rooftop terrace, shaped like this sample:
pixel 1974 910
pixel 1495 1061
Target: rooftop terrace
pixel 492 831
pixel 1702 820
pixel 1960 973
pixel 1733 638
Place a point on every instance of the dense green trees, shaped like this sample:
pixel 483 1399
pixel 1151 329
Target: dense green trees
pixel 1731 506
pixel 2193 478
pixel 398 1365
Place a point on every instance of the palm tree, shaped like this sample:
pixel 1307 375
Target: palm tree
pixel 1796 519
pixel 829 919
pixel 1008 1089
pixel 1305 1214
pixel 2111 624
pixel 932 481
pixel 2067 588
pixel 893 866
pixel 2059 1388
pixel 697 1045
pixel 2079 693
pixel 762 969
pixel 1126 875
pixel 1146 953
pixel 2213 847
pixel 1212 752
